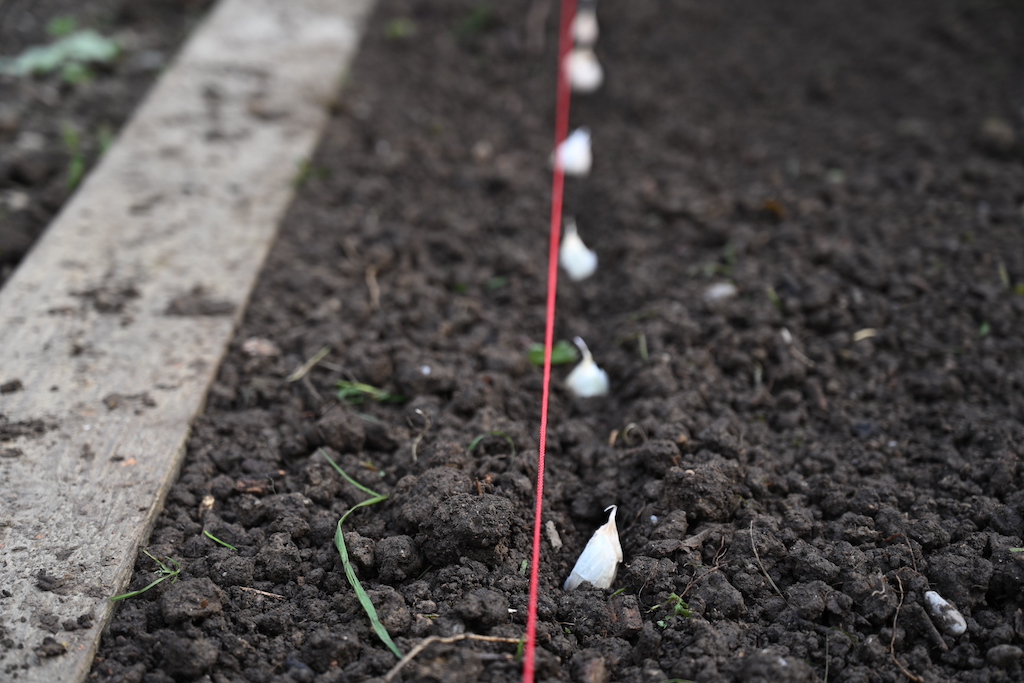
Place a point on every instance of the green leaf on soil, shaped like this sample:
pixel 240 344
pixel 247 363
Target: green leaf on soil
pixel 166 571
pixel 480 20
pixel 400 29
pixel 58 27
pixel 350 572
pixel 497 282
pixel 81 48
pixel 984 330
pixel 356 393
pixel 562 353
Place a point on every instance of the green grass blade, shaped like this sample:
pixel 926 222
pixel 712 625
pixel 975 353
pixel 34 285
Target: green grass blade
pixel 350 573
pixel 125 596
pixel 217 540
pixel 344 475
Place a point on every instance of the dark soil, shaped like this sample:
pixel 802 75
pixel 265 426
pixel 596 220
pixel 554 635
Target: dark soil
pixel 53 129
pixel 799 463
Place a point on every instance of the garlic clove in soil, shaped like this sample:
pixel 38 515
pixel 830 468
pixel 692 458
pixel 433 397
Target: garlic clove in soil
pixel 574 256
pixel 945 615
pixel 583 70
pixel 584 26
pixel 573 155
pixel 586 379
pixel 600 560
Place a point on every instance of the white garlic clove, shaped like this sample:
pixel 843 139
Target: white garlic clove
pixel 574 256
pixel 583 70
pixel 584 26
pixel 574 155
pixel 600 560
pixel 947 617
pixel 586 379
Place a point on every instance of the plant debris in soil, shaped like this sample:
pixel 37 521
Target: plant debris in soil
pixel 796 460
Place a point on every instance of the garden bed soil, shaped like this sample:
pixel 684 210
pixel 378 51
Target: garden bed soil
pixel 798 463
pixel 53 129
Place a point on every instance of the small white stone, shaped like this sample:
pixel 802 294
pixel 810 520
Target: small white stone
pixel 259 347
pixel 947 617
pixel 425 370
pixel 786 335
pixel 553 537
pixel 720 291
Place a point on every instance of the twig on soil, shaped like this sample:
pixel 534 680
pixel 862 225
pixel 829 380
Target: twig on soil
pixel 536 18
pixel 373 287
pixel 715 566
pixel 757 556
pixel 308 365
pixel 892 641
pixel 913 557
pixel 350 572
pixel 263 593
pixel 427 642
pixel 476 442
pixel 419 437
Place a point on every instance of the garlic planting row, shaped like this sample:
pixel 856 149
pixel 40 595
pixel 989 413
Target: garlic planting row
pixel 600 559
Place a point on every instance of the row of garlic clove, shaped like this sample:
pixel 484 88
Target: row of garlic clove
pixel 581 64
pixel 599 561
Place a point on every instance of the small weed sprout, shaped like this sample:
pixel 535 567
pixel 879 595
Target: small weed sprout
pixel 71 55
pixel 76 164
pixel 562 353
pixel 350 572
pixel 678 606
pixel 166 572
pixel 356 393
pixel 400 29
pixel 218 541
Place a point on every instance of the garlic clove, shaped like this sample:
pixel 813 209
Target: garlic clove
pixel 947 617
pixel 587 379
pixel 583 70
pixel 574 256
pixel 574 155
pixel 600 560
pixel 584 26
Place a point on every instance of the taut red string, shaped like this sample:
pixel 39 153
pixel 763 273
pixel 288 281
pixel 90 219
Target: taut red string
pixel 557 193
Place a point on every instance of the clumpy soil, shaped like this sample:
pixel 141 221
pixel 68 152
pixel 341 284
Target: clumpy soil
pixel 52 129
pixel 795 466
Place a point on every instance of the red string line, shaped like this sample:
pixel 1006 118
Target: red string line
pixel 557 193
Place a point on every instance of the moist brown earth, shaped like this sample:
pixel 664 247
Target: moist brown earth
pixel 795 465
pixel 52 128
